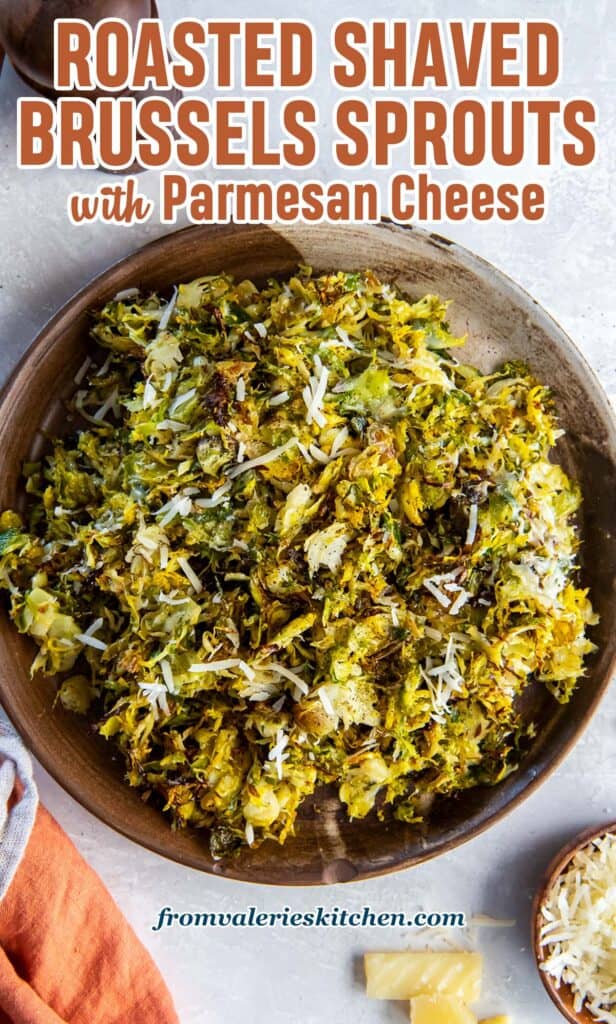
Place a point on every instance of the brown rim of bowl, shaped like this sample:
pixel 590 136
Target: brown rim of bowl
pixel 561 995
pixel 548 768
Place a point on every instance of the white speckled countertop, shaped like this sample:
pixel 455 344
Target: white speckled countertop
pixel 245 976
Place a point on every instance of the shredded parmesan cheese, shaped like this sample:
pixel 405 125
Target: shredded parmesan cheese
pixel 460 600
pixel 282 670
pixel 325 699
pixel 438 594
pixel 472 525
pixel 149 394
pixel 277 754
pixel 181 505
pixel 261 460
pixel 339 441
pixel 168 311
pixel 190 575
pixel 444 681
pixel 156 694
pixel 181 400
pixel 579 929
pixel 314 394
pixel 91 641
pixel 167 672
pixel 171 600
pixel 318 455
pixel 173 425
pixel 218 496
pixel 279 399
pixel 215 666
pixel 94 628
pixel 108 404
pixel 83 369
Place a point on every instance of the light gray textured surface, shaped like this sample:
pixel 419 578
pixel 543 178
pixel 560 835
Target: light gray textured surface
pixel 567 263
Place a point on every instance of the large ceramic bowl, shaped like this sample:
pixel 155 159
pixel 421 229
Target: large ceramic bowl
pixel 503 322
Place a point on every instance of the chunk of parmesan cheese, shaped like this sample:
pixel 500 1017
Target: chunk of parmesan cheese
pixel 440 1010
pixel 579 930
pixel 410 974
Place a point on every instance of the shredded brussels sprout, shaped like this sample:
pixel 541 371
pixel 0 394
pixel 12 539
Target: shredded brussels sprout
pixel 295 542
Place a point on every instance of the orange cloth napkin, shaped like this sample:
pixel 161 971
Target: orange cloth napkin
pixel 67 955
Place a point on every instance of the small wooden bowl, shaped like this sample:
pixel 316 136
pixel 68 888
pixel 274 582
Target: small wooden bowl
pixel 561 996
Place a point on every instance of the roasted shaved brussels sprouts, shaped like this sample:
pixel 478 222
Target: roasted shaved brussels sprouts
pixel 294 541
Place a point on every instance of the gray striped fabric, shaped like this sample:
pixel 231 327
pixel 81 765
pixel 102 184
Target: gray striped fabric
pixel 15 824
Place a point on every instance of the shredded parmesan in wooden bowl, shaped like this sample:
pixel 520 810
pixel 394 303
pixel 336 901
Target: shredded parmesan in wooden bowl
pixel 578 928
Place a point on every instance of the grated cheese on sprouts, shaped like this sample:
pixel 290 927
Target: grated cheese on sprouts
pixel 279 399
pixel 318 455
pixel 94 628
pixel 168 311
pixel 286 673
pixel 218 496
pixel 156 694
pixel 108 404
pixel 83 369
pixel 181 505
pixel 305 453
pixel 261 460
pixel 181 400
pixel 171 600
pixel 444 681
pixel 277 754
pixel 190 575
pixel 460 601
pixel 215 666
pixel 88 639
pixel 432 588
pixel 326 701
pixel 314 393
pixel 167 672
pixel 400 505
pixel 91 641
pixel 472 525
pixel 149 394
pixel 339 441
pixel 175 425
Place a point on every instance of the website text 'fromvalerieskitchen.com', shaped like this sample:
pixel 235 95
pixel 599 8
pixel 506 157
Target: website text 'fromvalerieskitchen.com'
pixel 318 917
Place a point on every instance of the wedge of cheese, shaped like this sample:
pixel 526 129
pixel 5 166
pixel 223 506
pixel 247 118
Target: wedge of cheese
pixel 410 974
pixel 440 1010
